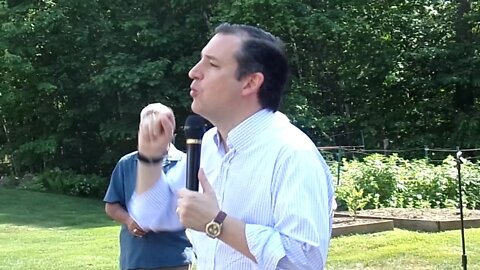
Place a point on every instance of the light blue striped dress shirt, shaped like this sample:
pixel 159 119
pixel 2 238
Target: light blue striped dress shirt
pixel 272 178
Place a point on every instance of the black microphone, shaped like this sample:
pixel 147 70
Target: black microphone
pixel 194 129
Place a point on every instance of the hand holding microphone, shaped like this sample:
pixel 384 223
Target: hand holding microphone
pixel 195 209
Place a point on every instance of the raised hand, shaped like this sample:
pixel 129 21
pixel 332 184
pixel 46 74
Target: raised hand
pixel 155 131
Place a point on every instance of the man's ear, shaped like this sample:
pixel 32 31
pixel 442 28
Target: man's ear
pixel 252 84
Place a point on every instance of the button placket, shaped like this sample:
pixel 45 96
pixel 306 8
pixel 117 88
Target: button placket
pixel 221 181
pixel 227 160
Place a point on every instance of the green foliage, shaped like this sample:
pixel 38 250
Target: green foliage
pixel 390 181
pixel 60 181
pixel 75 74
pixel 353 198
pixel 9 181
pixel 69 183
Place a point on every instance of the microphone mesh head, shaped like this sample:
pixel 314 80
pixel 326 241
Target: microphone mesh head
pixel 194 127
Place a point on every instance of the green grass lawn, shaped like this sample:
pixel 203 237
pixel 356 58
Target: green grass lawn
pixel 404 250
pixel 48 231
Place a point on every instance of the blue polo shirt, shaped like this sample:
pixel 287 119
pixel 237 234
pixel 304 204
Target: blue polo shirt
pixel 155 249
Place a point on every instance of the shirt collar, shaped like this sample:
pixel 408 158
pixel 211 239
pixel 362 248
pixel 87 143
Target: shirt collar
pixel 241 135
pixel 174 154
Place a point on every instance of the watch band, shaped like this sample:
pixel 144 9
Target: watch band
pixel 154 160
pixel 220 218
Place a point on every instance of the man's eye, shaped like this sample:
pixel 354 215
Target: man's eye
pixel 213 64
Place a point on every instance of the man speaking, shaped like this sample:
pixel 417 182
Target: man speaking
pixel 266 193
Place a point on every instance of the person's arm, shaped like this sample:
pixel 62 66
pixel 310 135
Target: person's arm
pixel 116 212
pixel 301 234
pixel 119 214
pixel 148 175
pixel 153 204
pixel 155 133
pixel 197 209
pixel 233 234
pixel 155 208
pixel 115 196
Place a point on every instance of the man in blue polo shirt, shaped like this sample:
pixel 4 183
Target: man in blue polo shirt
pixel 141 249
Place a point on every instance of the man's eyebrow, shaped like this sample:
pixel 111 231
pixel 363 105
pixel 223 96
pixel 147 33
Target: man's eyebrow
pixel 210 57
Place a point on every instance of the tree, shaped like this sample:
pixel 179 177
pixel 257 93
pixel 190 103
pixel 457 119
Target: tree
pixel 75 74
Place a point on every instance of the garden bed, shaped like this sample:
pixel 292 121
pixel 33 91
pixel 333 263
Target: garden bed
pixel 348 225
pixel 427 220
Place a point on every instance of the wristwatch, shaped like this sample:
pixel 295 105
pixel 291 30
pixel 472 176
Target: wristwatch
pixel 214 227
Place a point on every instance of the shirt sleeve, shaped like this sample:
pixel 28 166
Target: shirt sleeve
pixel 299 239
pixel 116 192
pixel 155 209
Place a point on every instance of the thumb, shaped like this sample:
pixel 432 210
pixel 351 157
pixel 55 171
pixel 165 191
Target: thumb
pixel 202 179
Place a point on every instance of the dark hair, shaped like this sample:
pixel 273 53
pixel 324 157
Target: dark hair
pixel 260 52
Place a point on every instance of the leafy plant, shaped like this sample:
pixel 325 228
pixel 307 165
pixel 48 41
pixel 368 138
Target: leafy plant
pixel 63 182
pixel 353 198
pixel 396 182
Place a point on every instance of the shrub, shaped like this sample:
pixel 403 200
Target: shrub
pixel 395 182
pixel 62 181
pixel 353 198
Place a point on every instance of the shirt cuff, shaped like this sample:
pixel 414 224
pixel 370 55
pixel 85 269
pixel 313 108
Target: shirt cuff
pixel 265 244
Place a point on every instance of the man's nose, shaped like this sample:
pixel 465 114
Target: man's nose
pixel 195 73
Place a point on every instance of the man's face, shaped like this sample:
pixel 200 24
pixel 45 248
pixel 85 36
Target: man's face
pixel 215 89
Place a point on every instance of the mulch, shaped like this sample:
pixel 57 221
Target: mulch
pixel 416 213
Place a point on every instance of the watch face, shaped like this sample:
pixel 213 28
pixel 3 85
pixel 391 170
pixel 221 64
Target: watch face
pixel 213 229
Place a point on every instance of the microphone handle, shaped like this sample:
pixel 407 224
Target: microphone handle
pixel 193 165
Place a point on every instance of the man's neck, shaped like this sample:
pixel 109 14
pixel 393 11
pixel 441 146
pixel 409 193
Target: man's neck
pixel 223 141
pixel 224 127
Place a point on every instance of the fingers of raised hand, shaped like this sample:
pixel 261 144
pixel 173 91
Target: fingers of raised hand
pixel 155 108
pixel 155 125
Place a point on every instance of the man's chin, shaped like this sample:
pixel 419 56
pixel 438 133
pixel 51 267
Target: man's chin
pixel 195 108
